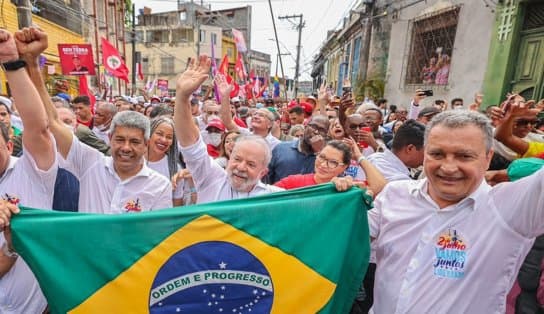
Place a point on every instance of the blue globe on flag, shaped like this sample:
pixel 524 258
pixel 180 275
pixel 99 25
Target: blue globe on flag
pixel 212 277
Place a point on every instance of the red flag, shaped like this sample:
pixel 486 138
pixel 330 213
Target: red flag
pixel 84 90
pixel 139 72
pixel 240 69
pixel 112 61
pixel 224 69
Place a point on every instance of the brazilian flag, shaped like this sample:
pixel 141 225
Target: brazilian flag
pixel 301 251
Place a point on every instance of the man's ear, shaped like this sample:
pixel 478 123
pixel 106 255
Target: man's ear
pixel 264 172
pixel 9 146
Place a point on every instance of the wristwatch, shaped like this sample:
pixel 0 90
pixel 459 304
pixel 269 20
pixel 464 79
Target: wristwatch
pixel 8 252
pixel 13 65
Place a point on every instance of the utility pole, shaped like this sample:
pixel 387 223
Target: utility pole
pixel 278 56
pixel 300 26
pixel 279 52
pixel 24 13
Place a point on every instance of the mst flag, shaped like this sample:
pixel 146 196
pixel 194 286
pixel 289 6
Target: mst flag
pixel 302 251
pixel 112 61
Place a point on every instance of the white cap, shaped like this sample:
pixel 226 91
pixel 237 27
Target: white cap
pixel 235 99
pixel 6 101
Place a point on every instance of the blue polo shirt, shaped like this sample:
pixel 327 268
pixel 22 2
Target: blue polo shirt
pixel 287 160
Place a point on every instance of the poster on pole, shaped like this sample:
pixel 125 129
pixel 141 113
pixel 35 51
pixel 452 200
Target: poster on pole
pixel 162 86
pixel 76 59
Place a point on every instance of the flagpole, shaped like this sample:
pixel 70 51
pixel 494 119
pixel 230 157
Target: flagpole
pixel 214 72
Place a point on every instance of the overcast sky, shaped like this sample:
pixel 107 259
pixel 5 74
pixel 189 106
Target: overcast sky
pixel 320 16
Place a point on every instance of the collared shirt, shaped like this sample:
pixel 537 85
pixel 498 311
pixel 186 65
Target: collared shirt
pixel 390 166
pixel 102 134
pixel 288 160
pixel 211 181
pixel 25 183
pixel 102 191
pixel 269 138
pixel 460 259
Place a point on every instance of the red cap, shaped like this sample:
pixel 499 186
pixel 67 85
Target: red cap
pixel 217 124
pixel 292 104
pixel 308 108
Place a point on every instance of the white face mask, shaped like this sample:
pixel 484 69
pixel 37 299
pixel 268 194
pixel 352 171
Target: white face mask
pixel 214 139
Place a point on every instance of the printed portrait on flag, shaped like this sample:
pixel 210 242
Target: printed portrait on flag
pixel 76 59
pixel 162 86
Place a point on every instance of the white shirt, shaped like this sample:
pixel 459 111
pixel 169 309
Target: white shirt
pixel 102 191
pixel 270 139
pixel 19 289
pixel 420 269
pixel 211 181
pixel 161 167
pixel 102 134
pixel 390 166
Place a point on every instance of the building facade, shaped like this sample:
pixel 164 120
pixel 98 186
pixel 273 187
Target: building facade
pixel 57 34
pixel 166 41
pixel 391 48
pixel 516 57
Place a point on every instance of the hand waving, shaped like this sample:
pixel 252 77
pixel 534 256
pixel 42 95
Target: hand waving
pixel 193 77
pixel 223 87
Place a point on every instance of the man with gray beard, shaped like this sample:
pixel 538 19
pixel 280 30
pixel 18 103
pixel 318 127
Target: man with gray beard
pixel 249 158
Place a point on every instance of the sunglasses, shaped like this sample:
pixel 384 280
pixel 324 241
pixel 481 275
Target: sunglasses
pixel 526 122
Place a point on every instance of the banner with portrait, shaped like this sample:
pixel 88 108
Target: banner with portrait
pixel 76 59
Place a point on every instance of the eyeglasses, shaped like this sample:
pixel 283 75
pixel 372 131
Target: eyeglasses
pixel 212 113
pixel 402 112
pixel 357 126
pixel 331 163
pixel 521 122
pixel 317 128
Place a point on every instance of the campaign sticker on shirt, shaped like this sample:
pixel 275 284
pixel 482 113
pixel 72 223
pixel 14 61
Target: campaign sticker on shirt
pixel 13 199
pixel 133 206
pixel 450 255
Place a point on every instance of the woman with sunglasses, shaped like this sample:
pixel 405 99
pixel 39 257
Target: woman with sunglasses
pixel 330 163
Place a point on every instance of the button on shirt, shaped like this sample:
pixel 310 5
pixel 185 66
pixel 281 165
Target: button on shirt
pixel 103 192
pixel 390 166
pixel 211 181
pixel 22 180
pixel 460 259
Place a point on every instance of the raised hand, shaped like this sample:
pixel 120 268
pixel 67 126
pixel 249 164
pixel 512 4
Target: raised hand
pixel 223 87
pixel 193 77
pixel 322 94
pixel 8 50
pixel 419 96
pixel 31 42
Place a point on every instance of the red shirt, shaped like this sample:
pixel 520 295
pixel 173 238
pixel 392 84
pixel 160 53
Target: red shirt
pixel 212 151
pixel 296 181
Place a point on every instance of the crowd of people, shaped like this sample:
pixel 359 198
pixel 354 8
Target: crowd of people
pixel 448 234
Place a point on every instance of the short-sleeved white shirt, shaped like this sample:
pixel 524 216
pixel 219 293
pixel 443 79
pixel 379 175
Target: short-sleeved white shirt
pixel 103 192
pixel 19 289
pixel 270 139
pixel 161 167
pixel 390 166
pixel 460 259
pixel 211 181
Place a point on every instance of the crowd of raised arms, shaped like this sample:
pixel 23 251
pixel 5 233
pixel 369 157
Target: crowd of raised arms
pixel 452 223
